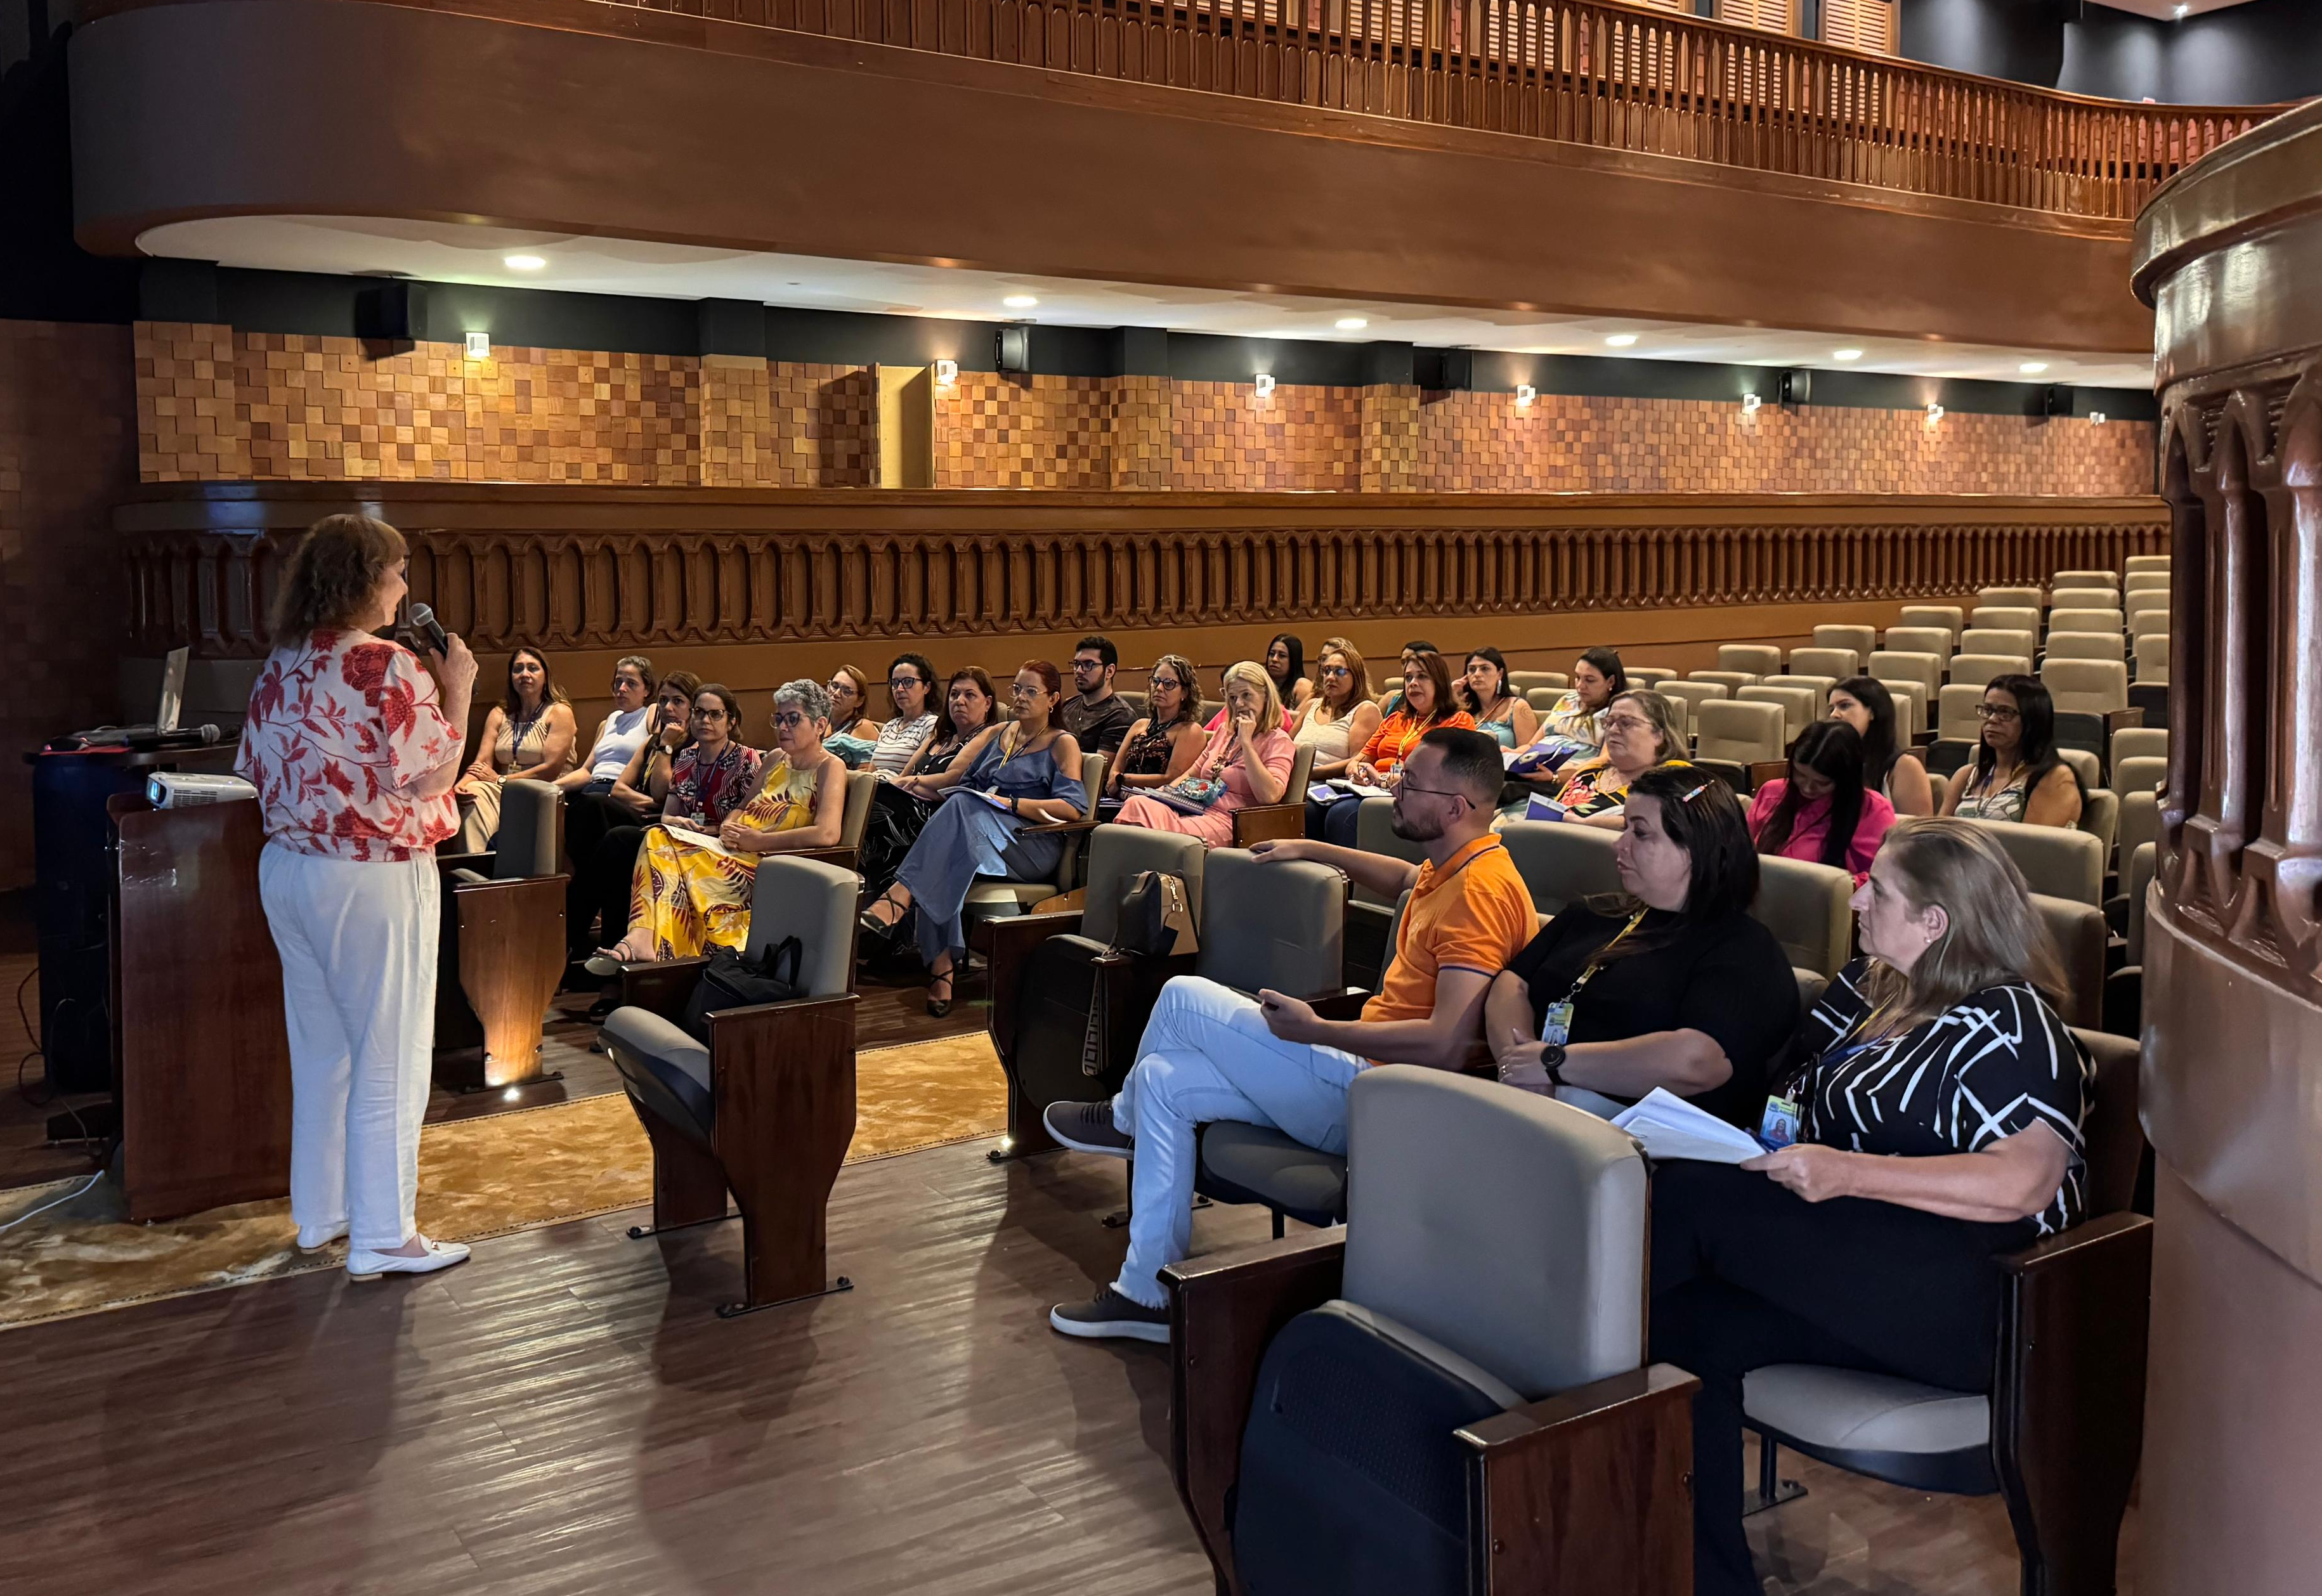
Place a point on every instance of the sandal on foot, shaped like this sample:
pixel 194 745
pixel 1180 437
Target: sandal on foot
pixel 940 1006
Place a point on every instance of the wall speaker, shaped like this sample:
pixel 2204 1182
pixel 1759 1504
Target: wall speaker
pixel 395 311
pixel 1797 388
pixel 1013 349
pixel 2055 399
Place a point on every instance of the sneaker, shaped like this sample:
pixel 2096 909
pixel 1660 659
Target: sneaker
pixel 1087 1127
pixel 1109 1316
pixel 364 1265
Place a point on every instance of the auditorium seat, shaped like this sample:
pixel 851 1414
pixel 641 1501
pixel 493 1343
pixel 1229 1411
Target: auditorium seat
pixel 2081 937
pixel 1800 708
pixel 1681 719
pixel 1649 676
pixel 1755 658
pixel 2146 581
pixel 1805 904
pixel 1041 994
pixel 1834 663
pixel 1271 823
pixel 2125 988
pixel 992 897
pixel 2100 818
pixel 2087 646
pixel 2085 579
pixel 2086 620
pixel 1693 694
pixel 1737 734
pixel 1926 671
pixel 2085 765
pixel 1530 682
pixel 1541 699
pixel 1862 639
pixel 1999 640
pixel 2148 611
pixel 1561 863
pixel 2135 773
pixel 1732 681
pixel 2057 861
pixel 1818 684
pixel 500 949
pixel 766 1108
pixel 2097 688
pixel 1940 642
pixel 2141 741
pixel 2060 1435
pixel 1977 670
pixel 2136 564
pixel 1447 1334
pixel 2030 598
pixel 2153 660
pixel 1947 617
pixel 1913 704
pixel 2009 618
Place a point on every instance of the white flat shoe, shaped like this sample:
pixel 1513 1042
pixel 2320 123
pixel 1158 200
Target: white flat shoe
pixel 365 1264
pixel 315 1241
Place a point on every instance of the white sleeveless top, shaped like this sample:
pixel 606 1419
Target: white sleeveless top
pixel 1328 739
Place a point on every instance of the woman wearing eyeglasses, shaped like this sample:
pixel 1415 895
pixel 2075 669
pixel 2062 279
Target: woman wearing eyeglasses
pixel 2016 774
pixel 1340 716
pixel 1014 778
pixel 911 688
pixel 1640 733
pixel 605 855
pixel 1246 761
pixel 1426 703
pixel 1163 744
pixel 691 888
pixel 1670 984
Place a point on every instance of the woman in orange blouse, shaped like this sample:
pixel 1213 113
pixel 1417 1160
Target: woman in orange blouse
pixel 1426 703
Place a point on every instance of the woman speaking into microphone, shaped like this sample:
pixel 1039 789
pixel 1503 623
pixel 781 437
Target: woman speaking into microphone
pixel 354 756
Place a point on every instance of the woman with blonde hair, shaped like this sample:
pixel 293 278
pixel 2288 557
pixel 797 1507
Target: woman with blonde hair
pixel 1340 718
pixel 1246 761
pixel 1933 1122
pixel 531 735
pixel 353 750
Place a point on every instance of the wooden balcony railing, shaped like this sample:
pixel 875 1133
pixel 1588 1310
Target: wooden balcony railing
pixel 1589 72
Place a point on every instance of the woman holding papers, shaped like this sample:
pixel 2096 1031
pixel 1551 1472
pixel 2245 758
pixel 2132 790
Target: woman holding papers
pixel 698 868
pixel 1672 985
pixel 1013 777
pixel 1640 733
pixel 1938 1113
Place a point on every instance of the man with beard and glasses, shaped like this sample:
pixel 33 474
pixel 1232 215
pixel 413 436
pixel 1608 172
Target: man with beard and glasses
pixel 1209 1053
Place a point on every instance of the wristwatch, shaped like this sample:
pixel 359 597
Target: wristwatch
pixel 1552 1059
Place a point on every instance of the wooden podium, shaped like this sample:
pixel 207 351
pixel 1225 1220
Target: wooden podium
pixel 201 1059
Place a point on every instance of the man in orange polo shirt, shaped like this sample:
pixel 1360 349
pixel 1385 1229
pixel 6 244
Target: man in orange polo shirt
pixel 1209 1053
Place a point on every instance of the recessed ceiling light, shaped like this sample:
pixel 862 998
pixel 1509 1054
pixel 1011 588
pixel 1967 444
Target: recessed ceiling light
pixel 1020 302
pixel 1352 323
pixel 1846 354
pixel 1622 340
pixel 2181 11
pixel 2033 368
pixel 523 262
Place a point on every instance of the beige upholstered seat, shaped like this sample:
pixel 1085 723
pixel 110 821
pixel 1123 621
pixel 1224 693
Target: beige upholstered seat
pixel 1956 719
pixel 2087 646
pixel 1732 680
pixel 2078 596
pixel 1693 694
pixel 1939 640
pixel 1837 663
pixel 2011 617
pixel 1739 732
pixel 1818 684
pixel 2140 743
pixel 1541 699
pixel 2085 579
pixel 2080 937
pixel 1976 671
pixel 2021 598
pixel 1527 682
pixel 1861 639
pixel 2056 860
pixel 989 895
pixel 2139 877
pixel 2153 659
pixel 1926 670
pixel 1949 617
pixel 1913 704
pixel 1278 926
pixel 1998 640
pixel 2147 562
pixel 1799 707
pixel 1804 905
pixel 2140 823
pixel 2084 763
pixel 2087 687
pixel 2100 818
pixel 1647 675
pixel 1680 721
pixel 2146 581
pixel 2086 620
pixel 1561 863
pixel 2137 772
pixel 1758 658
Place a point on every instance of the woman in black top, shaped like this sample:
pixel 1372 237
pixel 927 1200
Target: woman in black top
pixel 1163 744
pixel 1672 986
pixel 1941 1101
pixel 897 814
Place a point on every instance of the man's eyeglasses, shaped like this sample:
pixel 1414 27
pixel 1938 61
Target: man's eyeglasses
pixel 1081 665
pixel 1438 791
pixel 1997 712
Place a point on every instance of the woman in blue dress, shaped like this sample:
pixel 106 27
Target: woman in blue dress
pixel 1021 774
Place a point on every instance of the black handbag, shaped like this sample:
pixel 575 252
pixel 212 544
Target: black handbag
pixel 1156 916
pixel 730 981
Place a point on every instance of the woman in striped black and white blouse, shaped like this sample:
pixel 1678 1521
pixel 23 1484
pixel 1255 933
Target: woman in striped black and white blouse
pixel 1940 1104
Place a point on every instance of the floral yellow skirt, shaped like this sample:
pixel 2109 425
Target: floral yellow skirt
pixel 690 896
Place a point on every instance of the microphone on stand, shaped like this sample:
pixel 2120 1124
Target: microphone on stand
pixel 429 630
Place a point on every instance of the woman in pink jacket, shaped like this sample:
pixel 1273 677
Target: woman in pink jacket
pixel 1821 811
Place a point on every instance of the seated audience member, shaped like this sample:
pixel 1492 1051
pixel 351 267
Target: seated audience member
pixel 1162 746
pixel 1097 717
pixel 911 688
pixel 1864 703
pixel 1427 705
pixel 1285 663
pixel 853 738
pixel 590 809
pixel 2016 774
pixel 1640 733
pixel 1246 761
pixel 1209 1053
pixel 529 736
pixel 1341 717
pixel 1821 812
pixel 1023 774
pixel 1672 985
pixel 597 895
pixel 1497 708
pixel 1940 1105
pixel 1392 700
pixel 1573 727
pixel 692 886
pixel 898 812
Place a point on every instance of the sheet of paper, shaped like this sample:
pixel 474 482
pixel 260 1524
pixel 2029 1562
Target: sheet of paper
pixel 1671 1128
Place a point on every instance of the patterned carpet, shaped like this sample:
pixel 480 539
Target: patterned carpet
pixel 480 1177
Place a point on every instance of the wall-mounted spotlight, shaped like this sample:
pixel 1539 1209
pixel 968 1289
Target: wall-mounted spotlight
pixel 946 373
pixel 2098 418
pixel 1264 385
pixel 523 262
pixel 480 346
pixel 1622 340
pixel 1750 404
pixel 1935 411
pixel 1525 394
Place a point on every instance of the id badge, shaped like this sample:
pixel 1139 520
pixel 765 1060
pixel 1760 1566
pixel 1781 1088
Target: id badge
pixel 1556 1027
pixel 1780 1128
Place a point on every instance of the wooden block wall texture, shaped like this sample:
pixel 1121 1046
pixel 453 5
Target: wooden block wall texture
pixel 214 404
pixel 68 448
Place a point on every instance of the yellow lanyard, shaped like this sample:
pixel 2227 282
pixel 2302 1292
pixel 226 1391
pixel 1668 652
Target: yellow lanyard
pixel 1595 960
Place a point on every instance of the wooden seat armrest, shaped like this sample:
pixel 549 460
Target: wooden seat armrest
pixel 1340 1003
pixel 838 853
pixel 2123 720
pixel 1587 1490
pixel 1132 986
pixel 481 863
pixel 1224 1309
pixel 1268 823
pixel 1049 828
pixel 1008 941
pixel 548 889
pixel 664 986
pixel 758 1021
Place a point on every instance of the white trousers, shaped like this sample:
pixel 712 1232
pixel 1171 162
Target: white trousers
pixel 1206 1054
pixel 358 946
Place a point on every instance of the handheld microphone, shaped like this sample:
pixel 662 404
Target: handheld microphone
pixel 429 629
